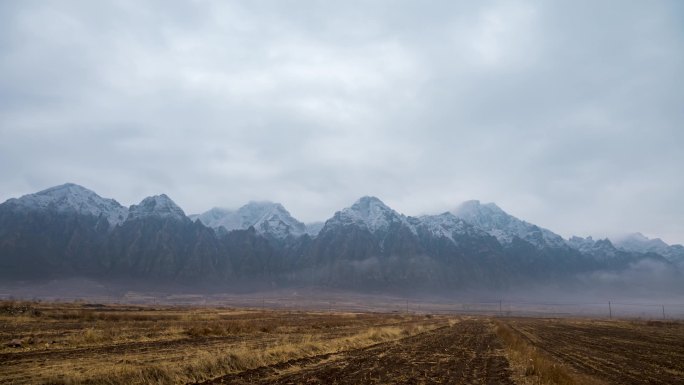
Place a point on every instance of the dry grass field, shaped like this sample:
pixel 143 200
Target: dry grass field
pixel 60 343
pixel 78 343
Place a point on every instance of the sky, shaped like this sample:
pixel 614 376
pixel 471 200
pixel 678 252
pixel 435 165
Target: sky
pixel 569 115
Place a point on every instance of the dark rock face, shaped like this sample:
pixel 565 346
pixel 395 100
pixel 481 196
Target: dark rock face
pixel 162 247
pixel 367 246
pixel 48 244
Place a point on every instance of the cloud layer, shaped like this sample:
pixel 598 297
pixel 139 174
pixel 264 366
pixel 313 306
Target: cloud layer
pixel 567 115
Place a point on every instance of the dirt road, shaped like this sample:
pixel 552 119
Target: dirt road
pixel 465 353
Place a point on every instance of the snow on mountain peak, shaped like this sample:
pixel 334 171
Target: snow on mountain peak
pixel 266 218
pixel 374 215
pixel 367 203
pixel 70 197
pixel 156 206
pixel 271 218
pixel 505 227
pixel 370 212
pixel 446 225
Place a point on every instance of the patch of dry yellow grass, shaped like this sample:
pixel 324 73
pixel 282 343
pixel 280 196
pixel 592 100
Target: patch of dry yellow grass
pixel 202 365
pixel 179 345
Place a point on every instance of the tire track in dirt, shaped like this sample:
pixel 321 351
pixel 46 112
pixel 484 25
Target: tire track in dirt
pixel 465 353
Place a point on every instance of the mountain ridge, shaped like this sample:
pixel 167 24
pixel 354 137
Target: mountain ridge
pixel 365 245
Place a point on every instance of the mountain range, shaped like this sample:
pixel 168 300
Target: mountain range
pixel 70 231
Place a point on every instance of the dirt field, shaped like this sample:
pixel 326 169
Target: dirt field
pixel 117 344
pixel 73 343
pixel 617 352
pixel 465 353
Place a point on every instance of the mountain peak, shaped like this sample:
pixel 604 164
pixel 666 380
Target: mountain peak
pixel 475 206
pixel 637 240
pixel 369 212
pixel 266 217
pixel 367 204
pixel 70 197
pixel 64 189
pixel 505 227
pixel 638 236
pixel 156 206
pixel 66 186
pixel 263 207
pixel 640 243
pixel 270 218
pixel 370 199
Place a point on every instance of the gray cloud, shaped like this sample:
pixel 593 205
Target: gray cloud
pixel 567 115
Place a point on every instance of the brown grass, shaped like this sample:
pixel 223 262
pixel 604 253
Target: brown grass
pixel 203 365
pixel 117 344
pixel 532 366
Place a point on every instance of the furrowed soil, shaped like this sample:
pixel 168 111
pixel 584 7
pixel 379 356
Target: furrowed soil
pixel 74 343
pixel 617 352
pixel 113 344
pixel 467 352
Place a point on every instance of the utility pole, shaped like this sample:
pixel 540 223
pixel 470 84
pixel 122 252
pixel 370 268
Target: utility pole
pixel 500 313
pixel 610 311
pixel 406 306
pixel 663 311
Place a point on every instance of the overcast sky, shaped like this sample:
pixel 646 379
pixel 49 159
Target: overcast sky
pixel 567 114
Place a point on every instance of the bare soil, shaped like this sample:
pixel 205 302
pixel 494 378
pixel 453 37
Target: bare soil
pixel 465 353
pixel 73 343
pixel 617 352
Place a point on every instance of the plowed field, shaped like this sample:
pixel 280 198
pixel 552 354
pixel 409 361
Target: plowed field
pixel 121 344
pixel 617 352
pixel 465 353
pixel 71 343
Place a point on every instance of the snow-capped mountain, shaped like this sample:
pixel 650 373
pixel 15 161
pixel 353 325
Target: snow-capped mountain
pixel 369 213
pixel 266 218
pixel 62 232
pixel 639 243
pixel 372 214
pixel 156 206
pixel 505 227
pixel 71 198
